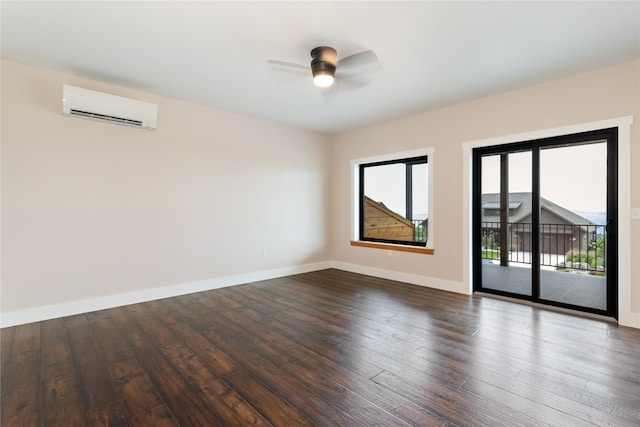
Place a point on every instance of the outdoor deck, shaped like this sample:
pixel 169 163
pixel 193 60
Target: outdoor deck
pixel 579 289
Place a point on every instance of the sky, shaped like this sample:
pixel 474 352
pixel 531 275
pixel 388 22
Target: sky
pixel 386 184
pixel 572 177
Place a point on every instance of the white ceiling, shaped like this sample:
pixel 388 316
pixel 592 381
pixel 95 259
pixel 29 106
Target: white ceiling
pixel 431 54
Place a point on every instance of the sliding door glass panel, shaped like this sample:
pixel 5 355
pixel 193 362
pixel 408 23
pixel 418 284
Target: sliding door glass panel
pixel 506 222
pixel 573 217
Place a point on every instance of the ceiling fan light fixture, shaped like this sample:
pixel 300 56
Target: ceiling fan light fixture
pixel 323 66
pixel 321 79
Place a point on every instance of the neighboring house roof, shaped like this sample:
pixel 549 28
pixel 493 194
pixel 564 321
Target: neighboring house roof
pixel 381 222
pixel 386 211
pixel 496 205
pixel 520 205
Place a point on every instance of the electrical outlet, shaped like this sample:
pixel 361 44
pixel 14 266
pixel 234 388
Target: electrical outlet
pixel 635 213
pixel 264 253
pixel 389 252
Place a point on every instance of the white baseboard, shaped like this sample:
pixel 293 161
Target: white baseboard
pixel 414 279
pixel 53 311
pixel 630 319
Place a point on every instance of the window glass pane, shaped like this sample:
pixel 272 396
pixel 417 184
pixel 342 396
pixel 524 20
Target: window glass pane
pixel 420 200
pixel 420 187
pixel 386 184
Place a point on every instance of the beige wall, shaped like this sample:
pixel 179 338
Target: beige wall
pixel 92 209
pixel 593 96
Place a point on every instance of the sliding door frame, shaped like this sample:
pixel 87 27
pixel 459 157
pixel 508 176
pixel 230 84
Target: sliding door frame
pixel 610 135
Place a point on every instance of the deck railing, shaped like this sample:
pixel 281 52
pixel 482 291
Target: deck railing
pixel 565 246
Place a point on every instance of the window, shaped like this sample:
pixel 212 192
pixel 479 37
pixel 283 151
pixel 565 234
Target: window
pixel 393 202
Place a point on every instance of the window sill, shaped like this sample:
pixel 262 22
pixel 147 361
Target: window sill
pixel 390 247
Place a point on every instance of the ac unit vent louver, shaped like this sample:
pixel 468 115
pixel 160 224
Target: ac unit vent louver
pixel 104 107
pixel 97 116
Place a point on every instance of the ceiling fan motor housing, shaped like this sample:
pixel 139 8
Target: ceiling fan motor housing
pixel 323 60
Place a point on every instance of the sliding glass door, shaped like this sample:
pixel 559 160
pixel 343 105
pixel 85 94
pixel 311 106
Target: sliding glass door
pixel 544 217
pixel 505 238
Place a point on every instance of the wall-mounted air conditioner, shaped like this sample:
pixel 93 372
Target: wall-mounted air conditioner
pixel 104 107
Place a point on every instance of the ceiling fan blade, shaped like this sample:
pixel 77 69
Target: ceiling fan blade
pixel 352 83
pixel 343 85
pixel 288 66
pixel 367 57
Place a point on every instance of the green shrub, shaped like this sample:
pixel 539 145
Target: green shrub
pixel 593 258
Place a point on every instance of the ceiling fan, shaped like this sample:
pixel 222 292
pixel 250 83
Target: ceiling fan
pixel 326 69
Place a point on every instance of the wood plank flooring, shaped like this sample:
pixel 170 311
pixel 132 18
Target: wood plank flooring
pixel 326 348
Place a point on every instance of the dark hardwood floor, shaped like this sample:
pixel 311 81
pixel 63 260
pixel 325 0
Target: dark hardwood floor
pixel 326 348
